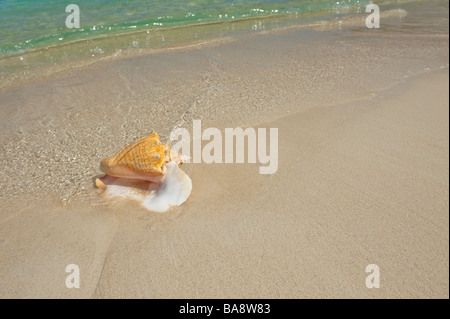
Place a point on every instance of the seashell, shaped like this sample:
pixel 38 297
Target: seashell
pixel 142 159
pixel 146 171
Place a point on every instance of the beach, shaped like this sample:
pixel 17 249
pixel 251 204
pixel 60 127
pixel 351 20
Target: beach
pixel 362 177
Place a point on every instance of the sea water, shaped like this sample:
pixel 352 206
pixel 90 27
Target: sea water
pixel 35 33
pixel 27 25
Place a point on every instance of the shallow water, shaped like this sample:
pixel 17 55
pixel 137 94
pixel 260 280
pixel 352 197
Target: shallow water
pixel 33 34
pixel 35 24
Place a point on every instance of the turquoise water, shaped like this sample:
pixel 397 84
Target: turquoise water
pixel 27 24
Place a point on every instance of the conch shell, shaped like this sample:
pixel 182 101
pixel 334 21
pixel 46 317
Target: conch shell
pixel 142 159
pixel 148 171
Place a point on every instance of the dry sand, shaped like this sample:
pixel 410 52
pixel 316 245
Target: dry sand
pixel 362 178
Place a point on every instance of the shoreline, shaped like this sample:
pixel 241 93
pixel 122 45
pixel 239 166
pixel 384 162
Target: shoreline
pixel 35 64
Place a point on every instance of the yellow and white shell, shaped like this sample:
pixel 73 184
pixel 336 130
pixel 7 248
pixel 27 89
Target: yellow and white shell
pixel 146 161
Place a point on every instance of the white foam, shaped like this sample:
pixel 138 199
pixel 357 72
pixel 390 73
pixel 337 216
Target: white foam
pixel 175 189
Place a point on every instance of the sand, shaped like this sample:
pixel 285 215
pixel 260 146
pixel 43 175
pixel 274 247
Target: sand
pixel 358 184
pixel 362 176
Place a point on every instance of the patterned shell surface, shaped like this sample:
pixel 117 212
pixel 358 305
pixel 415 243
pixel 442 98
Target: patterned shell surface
pixel 145 156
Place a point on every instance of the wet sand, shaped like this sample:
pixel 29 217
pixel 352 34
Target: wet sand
pixel 362 177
